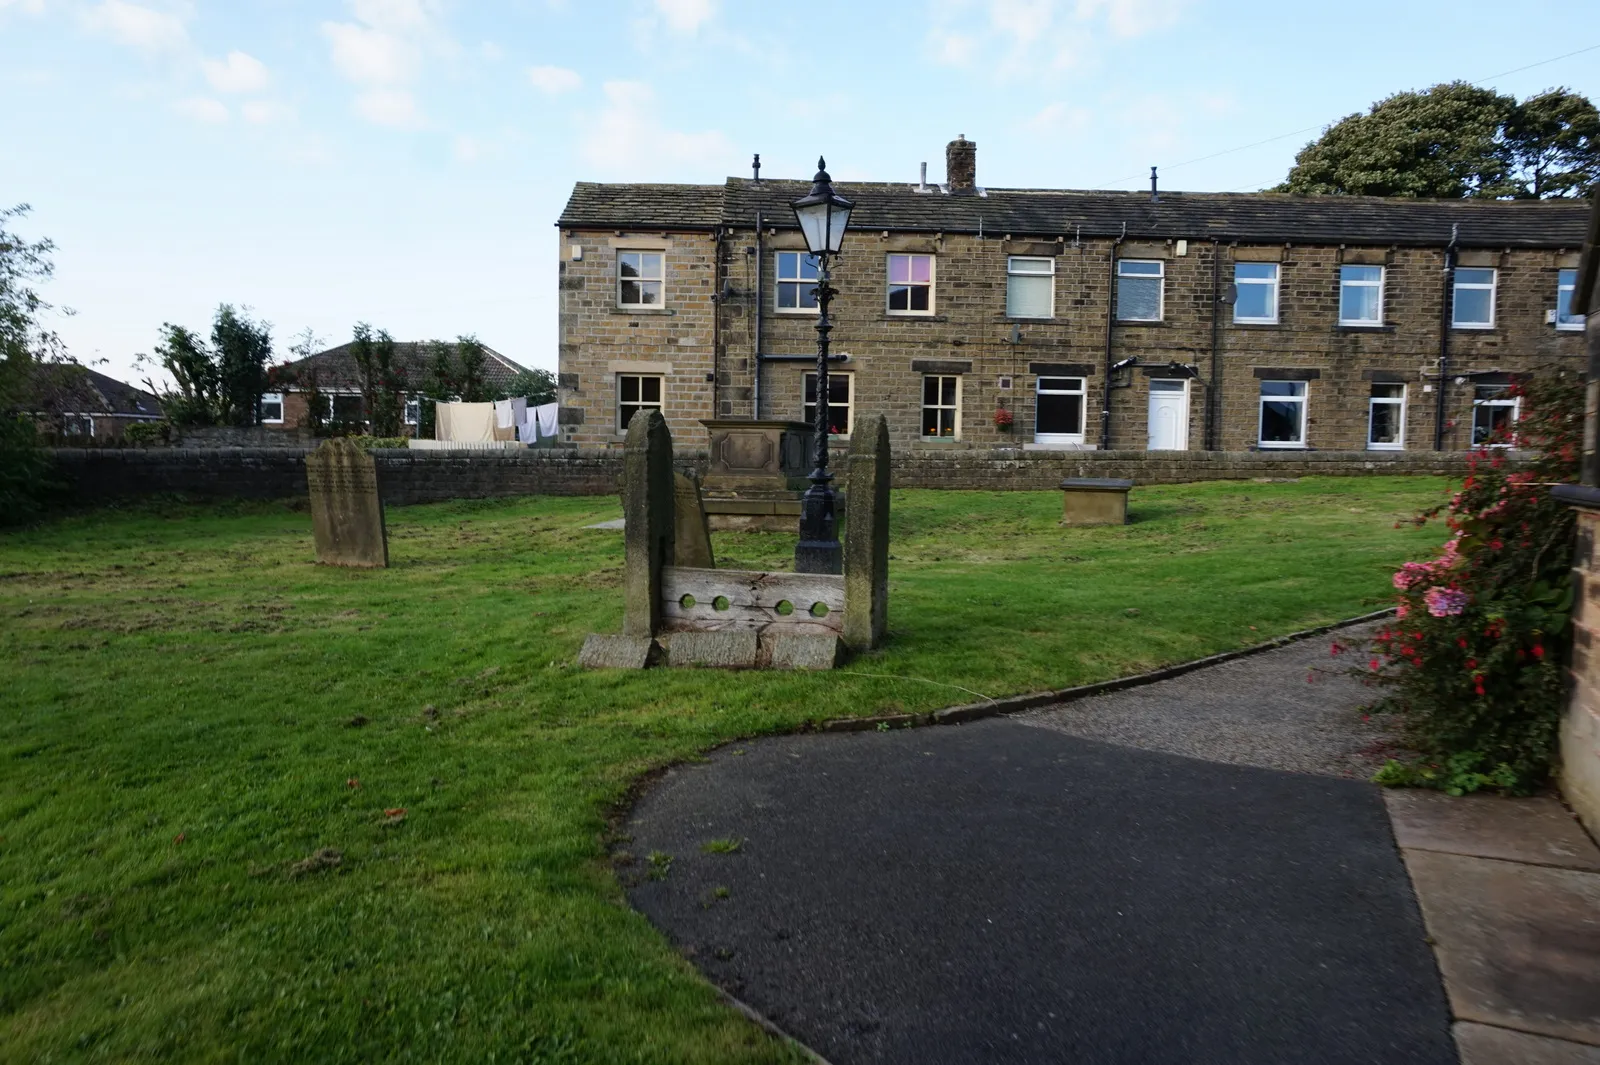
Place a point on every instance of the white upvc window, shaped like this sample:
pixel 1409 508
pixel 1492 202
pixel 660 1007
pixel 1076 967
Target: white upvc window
pixel 270 408
pixel 641 279
pixel 1386 417
pixel 1360 295
pixel 413 412
pixel 1283 414
pixel 1059 410
pixel 911 279
pixel 841 402
pixel 635 393
pixel 1255 287
pixel 76 425
pixel 941 406
pixel 1140 295
pixel 1566 286
pixel 797 282
pixel 1472 303
pixel 1030 287
pixel 1494 416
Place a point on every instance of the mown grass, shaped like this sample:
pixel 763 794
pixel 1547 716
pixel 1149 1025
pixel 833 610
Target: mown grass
pixel 190 709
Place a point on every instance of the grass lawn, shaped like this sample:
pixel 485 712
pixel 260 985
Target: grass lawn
pixel 189 708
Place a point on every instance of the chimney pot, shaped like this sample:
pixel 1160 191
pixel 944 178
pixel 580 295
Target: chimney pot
pixel 961 165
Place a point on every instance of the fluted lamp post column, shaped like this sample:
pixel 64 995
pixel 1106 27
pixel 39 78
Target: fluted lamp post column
pixel 823 216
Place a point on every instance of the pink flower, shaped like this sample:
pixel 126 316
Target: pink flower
pixel 1445 602
pixel 1401 609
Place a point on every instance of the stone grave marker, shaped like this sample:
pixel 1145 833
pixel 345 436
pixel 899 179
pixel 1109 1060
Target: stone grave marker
pixel 691 533
pixel 346 510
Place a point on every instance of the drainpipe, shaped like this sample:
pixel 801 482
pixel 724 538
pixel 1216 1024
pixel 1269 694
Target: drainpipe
pixel 755 386
pixel 1441 405
pixel 718 286
pixel 1111 319
pixel 1212 400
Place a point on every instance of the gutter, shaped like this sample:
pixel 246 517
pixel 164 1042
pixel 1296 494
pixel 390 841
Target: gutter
pixel 755 363
pixel 1441 405
pixel 1212 400
pixel 1111 321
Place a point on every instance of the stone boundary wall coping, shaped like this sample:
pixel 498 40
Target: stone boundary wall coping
pixel 92 475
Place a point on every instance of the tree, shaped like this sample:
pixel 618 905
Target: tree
pixel 1554 140
pixel 1456 140
pixel 216 385
pixel 185 358
pixel 25 347
pixel 242 348
pixel 383 385
pixel 539 386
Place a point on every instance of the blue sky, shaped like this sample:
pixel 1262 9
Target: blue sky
pixel 402 162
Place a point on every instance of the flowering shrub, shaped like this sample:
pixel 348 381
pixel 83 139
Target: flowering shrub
pixel 1475 657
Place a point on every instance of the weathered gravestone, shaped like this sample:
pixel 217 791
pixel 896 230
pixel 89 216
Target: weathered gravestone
pixel 346 510
pixel 699 616
pixel 690 532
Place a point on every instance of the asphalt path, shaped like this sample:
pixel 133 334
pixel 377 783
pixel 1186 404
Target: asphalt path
pixel 1002 892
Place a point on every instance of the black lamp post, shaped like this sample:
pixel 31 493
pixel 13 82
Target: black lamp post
pixel 823 216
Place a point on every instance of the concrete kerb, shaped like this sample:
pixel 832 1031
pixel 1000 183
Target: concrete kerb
pixel 956 715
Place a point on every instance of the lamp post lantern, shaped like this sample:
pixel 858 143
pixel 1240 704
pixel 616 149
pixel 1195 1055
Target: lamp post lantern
pixel 823 216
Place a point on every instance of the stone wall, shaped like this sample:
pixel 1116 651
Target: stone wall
pixel 93 475
pixel 277 436
pixel 1580 726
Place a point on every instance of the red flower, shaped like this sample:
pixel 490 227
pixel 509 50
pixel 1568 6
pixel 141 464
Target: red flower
pixel 1472 663
pixel 1373 665
pixel 1538 650
pixel 1462 641
pixel 1477 683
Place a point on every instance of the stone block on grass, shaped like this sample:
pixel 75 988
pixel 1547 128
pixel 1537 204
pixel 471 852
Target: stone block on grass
pixel 724 648
pixel 803 650
pixel 618 652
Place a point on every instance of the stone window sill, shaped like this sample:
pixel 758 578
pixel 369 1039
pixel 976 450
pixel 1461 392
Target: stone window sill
pixel 1124 323
pixel 887 317
pixel 1255 325
pixel 1364 329
pixel 629 312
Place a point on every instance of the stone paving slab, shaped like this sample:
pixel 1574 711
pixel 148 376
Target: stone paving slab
pixel 1538 830
pixel 1518 945
pixel 1482 1044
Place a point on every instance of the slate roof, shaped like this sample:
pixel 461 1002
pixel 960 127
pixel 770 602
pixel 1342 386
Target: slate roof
pixel 73 389
pixel 1262 217
pixel 336 368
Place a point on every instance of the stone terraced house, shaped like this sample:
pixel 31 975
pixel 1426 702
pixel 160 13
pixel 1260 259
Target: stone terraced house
pixel 1118 320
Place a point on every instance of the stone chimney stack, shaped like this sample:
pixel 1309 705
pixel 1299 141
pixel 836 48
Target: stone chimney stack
pixel 961 166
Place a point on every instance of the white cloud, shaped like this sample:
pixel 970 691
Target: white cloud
pixel 395 16
pixel 265 112
pixel 491 52
pixel 1060 118
pixel 203 109
pixel 1016 38
pixel 396 108
pixel 370 56
pixel 626 138
pixel 554 80
pixel 237 73
pixel 27 7
pixel 685 16
pixel 136 26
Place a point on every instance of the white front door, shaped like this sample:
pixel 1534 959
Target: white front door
pixel 1169 415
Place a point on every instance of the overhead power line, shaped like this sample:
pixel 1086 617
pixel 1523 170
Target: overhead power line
pixel 1308 129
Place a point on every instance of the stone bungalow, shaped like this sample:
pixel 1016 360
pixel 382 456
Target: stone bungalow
pixel 75 404
pixel 1219 321
pixel 338 378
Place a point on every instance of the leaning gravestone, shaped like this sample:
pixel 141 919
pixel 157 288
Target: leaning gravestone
pixel 691 533
pixel 346 511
